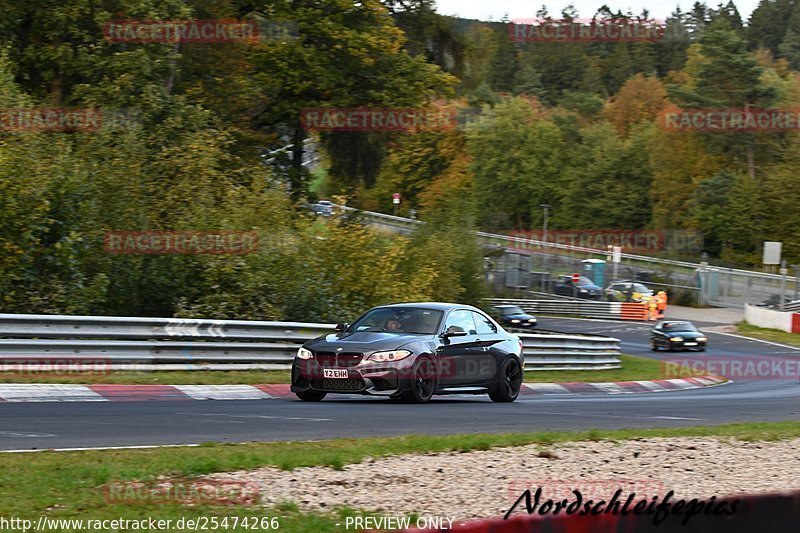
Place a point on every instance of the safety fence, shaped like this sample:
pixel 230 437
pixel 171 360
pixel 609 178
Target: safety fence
pixel 776 513
pixel 133 343
pixel 580 308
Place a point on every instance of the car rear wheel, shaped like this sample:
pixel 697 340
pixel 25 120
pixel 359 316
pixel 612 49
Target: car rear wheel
pixel 424 381
pixel 311 395
pixel 509 383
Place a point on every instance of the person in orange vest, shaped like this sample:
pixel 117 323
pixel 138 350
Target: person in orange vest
pixel 652 304
pixel 662 303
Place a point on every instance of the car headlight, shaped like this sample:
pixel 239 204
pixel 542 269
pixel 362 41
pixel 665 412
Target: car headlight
pixel 514 321
pixel 391 355
pixel 583 290
pixel 302 353
pixel 702 339
pixel 531 320
pixel 676 339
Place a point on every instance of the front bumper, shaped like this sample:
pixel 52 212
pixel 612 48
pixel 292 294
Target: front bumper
pixel 687 344
pixel 379 379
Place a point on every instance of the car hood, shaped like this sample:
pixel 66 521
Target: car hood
pixel 363 341
pixel 686 334
pixel 592 288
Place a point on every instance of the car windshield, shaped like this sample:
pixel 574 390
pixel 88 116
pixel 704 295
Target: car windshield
pixel 401 320
pixel 585 281
pixel 638 287
pixel 513 310
pixel 679 326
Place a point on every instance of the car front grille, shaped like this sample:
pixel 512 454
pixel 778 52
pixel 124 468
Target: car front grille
pixel 341 360
pixel 333 384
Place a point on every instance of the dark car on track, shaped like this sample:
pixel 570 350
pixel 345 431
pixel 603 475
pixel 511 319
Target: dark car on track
pixel 585 288
pixel 410 352
pixel 677 335
pixel 513 316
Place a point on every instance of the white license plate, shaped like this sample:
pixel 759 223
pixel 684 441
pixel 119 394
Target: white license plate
pixel 690 344
pixel 333 373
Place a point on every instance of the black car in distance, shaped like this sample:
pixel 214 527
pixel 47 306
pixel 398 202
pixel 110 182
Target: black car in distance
pixel 410 352
pixel 677 335
pixel 585 288
pixel 513 316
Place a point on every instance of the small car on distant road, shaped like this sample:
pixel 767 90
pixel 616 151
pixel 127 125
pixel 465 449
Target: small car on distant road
pixel 677 335
pixel 513 316
pixel 585 288
pixel 325 208
pixel 628 291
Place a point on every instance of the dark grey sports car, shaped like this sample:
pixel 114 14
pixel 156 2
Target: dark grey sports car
pixel 410 352
pixel 677 335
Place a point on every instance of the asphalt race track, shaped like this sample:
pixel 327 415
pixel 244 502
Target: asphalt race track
pixel 25 426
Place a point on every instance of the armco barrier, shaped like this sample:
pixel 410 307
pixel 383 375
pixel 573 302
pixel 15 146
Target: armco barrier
pixel 770 318
pixel 580 308
pixel 133 343
pixel 773 513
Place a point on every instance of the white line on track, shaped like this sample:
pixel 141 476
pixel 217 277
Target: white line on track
pixel 141 447
pixel 673 418
pixel 757 340
pixel 226 415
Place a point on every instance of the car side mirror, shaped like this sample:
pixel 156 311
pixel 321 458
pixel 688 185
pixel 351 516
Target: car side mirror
pixel 341 326
pixel 454 331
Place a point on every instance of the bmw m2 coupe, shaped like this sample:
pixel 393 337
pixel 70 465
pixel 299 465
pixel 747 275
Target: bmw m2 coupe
pixel 409 352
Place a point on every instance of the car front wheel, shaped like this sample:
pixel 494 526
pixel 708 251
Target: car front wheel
pixel 510 381
pixel 653 345
pixel 423 382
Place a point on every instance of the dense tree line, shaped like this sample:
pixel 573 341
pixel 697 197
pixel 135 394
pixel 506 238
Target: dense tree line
pixel 581 126
pixel 574 125
pixel 189 159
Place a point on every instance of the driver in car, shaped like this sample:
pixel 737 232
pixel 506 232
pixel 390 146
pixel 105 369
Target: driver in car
pixel 393 324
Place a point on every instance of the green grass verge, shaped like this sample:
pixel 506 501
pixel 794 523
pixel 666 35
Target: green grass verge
pixel 774 335
pixel 71 484
pixel 633 368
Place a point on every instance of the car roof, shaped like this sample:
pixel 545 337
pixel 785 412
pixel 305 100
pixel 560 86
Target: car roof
pixel 440 306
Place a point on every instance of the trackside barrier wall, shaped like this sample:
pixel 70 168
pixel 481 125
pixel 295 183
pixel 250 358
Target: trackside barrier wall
pixel 773 513
pixel 581 308
pixel 133 343
pixel 770 318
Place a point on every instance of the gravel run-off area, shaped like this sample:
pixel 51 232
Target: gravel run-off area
pixel 486 483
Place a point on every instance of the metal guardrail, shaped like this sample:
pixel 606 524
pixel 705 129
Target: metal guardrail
pixel 40 342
